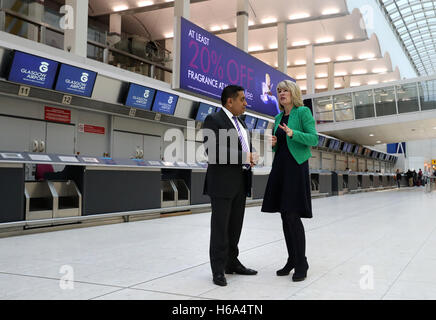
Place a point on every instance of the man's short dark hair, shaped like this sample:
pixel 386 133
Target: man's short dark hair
pixel 230 92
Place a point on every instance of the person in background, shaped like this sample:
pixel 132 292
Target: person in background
pixel 419 177
pixel 288 187
pixel 398 177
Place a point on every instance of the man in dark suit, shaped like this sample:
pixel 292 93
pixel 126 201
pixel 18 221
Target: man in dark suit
pixel 228 181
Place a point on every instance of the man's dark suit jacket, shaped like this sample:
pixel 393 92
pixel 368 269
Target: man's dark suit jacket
pixel 223 179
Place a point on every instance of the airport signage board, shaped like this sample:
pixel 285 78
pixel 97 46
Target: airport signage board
pixel 208 64
pixel 140 97
pixel 75 80
pixel 33 70
pixel 204 110
pixel 165 102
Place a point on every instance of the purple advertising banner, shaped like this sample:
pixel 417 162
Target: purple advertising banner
pixel 208 64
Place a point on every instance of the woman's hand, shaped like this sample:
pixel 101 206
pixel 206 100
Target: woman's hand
pixel 273 141
pixel 288 131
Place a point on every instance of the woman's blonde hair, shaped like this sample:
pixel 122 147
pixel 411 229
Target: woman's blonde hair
pixel 295 91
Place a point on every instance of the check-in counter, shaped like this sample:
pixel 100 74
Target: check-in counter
pixel 338 182
pixel 367 180
pixel 198 176
pixel 353 181
pixel 260 179
pixel 386 180
pixel 11 192
pixel 38 200
pixel 321 181
pixel 377 180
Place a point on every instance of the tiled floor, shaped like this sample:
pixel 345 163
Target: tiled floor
pixel 374 245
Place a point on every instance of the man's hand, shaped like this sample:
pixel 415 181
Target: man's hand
pixel 254 159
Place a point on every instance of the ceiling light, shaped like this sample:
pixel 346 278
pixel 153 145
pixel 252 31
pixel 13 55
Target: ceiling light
pixel 338 85
pixel 340 73
pixel 321 86
pixel 361 71
pixel 434 128
pixel 273 46
pixel 269 20
pixel 169 35
pixel 322 75
pixel 330 11
pixel 224 27
pixel 354 84
pixel 367 56
pixel 120 8
pixel 325 40
pixel 255 48
pixel 300 62
pixel 344 58
pixel 378 141
pixel 299 16
pixel 371 135
pixel 145 3
pixel 250 23
pixel 215 28
pixel 322 60
pixel 300 43
pixel 303 88
pixel 379 70
pixel 301 77
pixel 373 82
pixel 276 65
pixel 349 37
pixel 169 0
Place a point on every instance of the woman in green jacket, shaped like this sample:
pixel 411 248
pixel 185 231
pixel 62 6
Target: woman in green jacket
pixel 288 187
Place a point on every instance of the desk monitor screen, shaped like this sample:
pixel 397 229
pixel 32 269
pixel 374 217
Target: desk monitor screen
pixel 345 147
pixel 321 141
pixel 250 121
pixel 140 97
pixel 33 70
pixel 165 102
pixel 204 110
pixel 261 125
pixel 331 143
pixel 75 80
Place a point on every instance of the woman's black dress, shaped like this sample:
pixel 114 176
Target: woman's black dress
pixel 288 187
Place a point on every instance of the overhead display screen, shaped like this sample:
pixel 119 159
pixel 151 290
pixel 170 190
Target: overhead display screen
pixel 75 80
pixel 208 64
pixel 261 124
pixel 140 97
pixel 204 110
pixel 250 121
pixel 165 102
pixel 33 70
pixel 321 140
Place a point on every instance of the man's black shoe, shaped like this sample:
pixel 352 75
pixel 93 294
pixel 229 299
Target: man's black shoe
pixel 241 270
pixel 219 279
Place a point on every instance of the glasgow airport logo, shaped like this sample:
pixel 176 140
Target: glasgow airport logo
pixel 84 77
pixel 44 66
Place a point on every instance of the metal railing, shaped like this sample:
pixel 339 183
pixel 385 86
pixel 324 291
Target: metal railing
pixel 134 63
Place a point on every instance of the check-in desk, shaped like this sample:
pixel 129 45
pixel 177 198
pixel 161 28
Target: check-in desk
pixel 366 180
pixel 386 180
pixel 260 179
pixel 377 180
pixel 339 182
pixel 353 181
pixel 11 192
pixel 321 182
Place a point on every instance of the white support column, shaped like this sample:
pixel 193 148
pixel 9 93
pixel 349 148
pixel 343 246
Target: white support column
pixel 75 38
pixel 331 76
pixel 282 47
pixel 310 69
pixel 242 25
pixel 347 81
pixel 115 26
pixel 36 12
pixel 181 9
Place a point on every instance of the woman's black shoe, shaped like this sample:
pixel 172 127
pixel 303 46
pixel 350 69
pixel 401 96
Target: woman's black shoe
pixel 286 269
pixel 299 276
